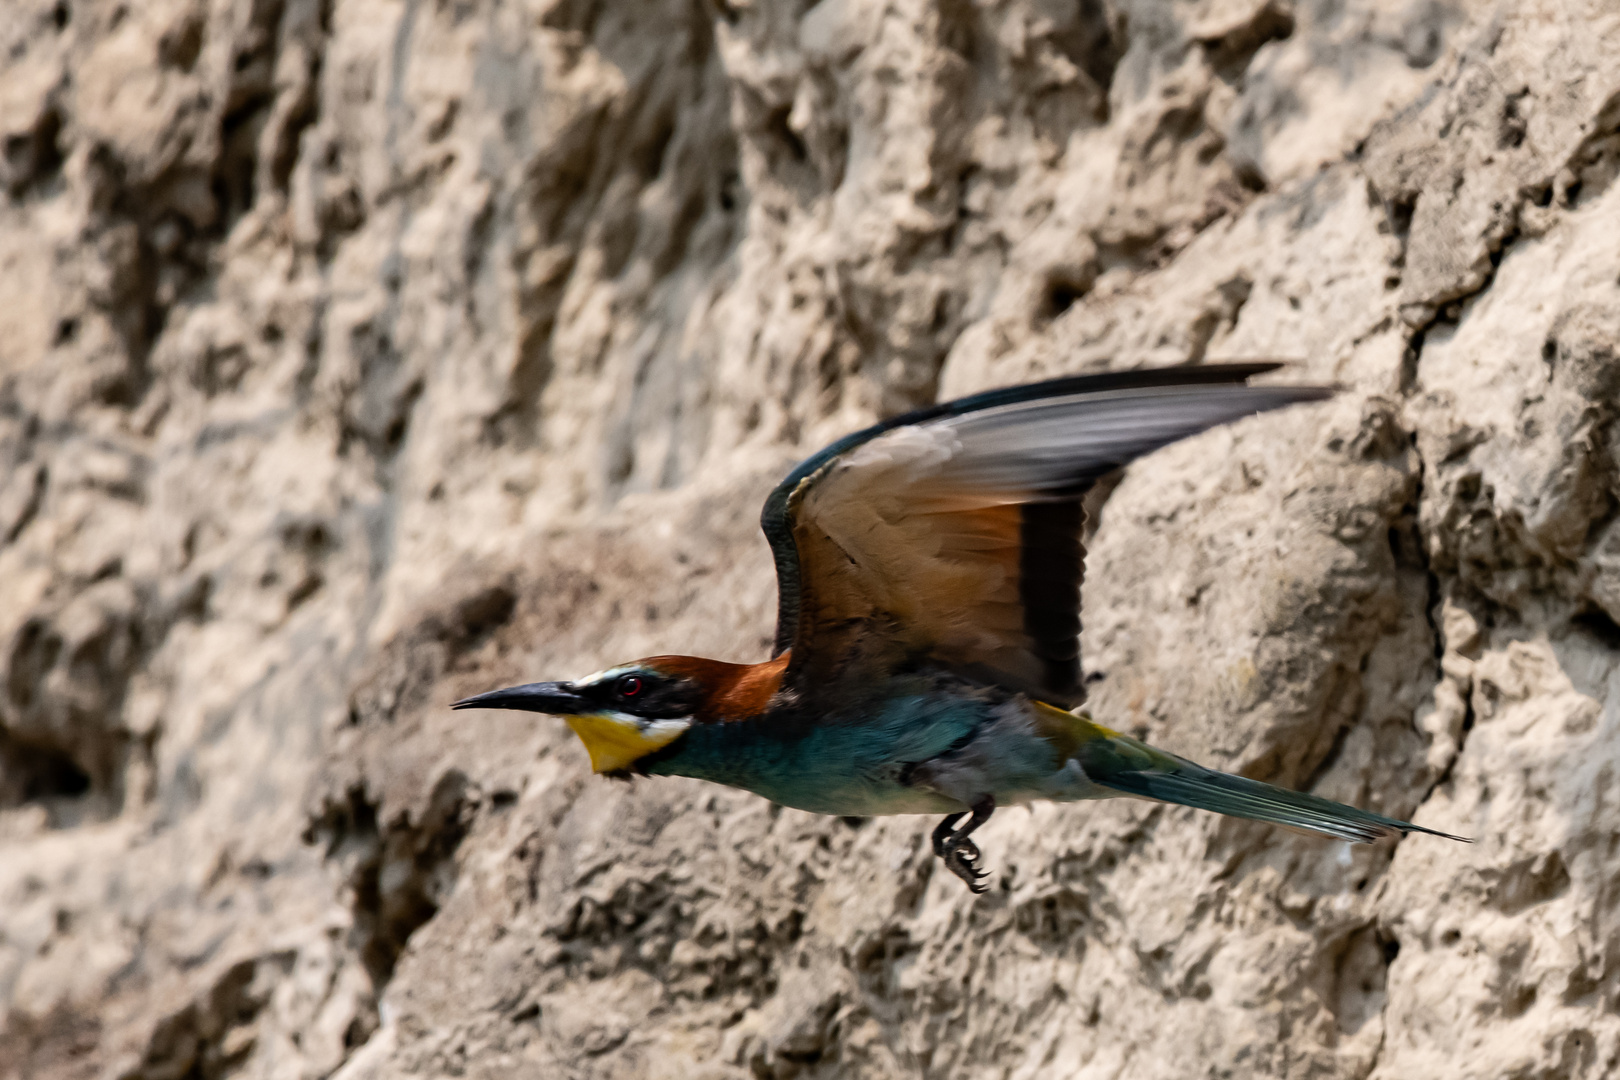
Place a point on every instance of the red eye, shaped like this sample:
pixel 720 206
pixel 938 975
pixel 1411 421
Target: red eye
pixel 629 686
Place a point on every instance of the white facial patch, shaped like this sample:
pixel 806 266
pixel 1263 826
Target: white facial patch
pixel 597 678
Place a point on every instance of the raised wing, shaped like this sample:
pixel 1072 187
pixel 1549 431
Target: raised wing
pixel 953 533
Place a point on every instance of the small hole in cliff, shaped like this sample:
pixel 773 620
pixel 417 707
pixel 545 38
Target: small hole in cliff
pixel 1060 297
pixel 35 773
pixel 1597 622
pixel 180 47
pixel 1392 949
pixel 777 124
pixel 1062 292
pixel 34 156
pixel 234 183
pixel 358 1031
pixel 1400 211
pixel 58 774
pixel 1232 54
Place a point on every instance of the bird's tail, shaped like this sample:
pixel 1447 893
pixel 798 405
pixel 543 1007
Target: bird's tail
pixel 1134 768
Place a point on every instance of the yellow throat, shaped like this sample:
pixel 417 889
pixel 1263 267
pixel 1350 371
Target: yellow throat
pixel 616 740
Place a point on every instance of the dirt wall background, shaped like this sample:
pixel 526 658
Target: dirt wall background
pixel 359 354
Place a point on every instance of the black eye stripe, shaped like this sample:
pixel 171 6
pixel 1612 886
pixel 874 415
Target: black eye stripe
pixel 646 694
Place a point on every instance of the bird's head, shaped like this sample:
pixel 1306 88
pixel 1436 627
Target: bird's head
pixel 629 711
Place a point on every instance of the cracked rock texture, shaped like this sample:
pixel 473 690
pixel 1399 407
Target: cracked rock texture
pixel 356 355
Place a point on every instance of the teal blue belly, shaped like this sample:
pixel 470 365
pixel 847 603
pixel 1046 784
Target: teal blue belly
pixel 854 767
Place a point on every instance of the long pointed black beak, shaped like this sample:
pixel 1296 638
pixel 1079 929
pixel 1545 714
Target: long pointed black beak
pixel 558 698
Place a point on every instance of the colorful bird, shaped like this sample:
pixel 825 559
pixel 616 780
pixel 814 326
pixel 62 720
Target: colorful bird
pixel 927 652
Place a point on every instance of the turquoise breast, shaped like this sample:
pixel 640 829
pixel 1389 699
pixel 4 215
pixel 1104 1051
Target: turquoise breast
pixel 854 765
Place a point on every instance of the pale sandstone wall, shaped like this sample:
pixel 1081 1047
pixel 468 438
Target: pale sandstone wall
pixel 357 354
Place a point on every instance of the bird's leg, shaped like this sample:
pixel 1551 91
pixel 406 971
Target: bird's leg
pixel 961 855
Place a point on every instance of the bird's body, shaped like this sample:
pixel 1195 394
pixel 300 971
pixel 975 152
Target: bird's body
pixel 922 743
pixel 928 627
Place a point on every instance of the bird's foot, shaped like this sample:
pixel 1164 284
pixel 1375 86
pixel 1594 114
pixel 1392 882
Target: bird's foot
pixel 959 854
pixel 963 861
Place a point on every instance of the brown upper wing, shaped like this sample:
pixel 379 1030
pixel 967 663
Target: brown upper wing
pixel 953 534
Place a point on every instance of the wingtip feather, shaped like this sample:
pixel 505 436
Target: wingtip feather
pixel 1409 828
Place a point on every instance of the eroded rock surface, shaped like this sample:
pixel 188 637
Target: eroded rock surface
pixel 356 355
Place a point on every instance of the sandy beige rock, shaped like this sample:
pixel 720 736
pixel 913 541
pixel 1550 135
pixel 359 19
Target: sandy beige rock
pixel 357 355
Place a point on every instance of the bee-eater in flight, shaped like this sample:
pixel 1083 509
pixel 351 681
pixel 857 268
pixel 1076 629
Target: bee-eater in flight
pixel 927 653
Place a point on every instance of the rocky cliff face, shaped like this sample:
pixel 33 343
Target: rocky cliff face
pixel 359 354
